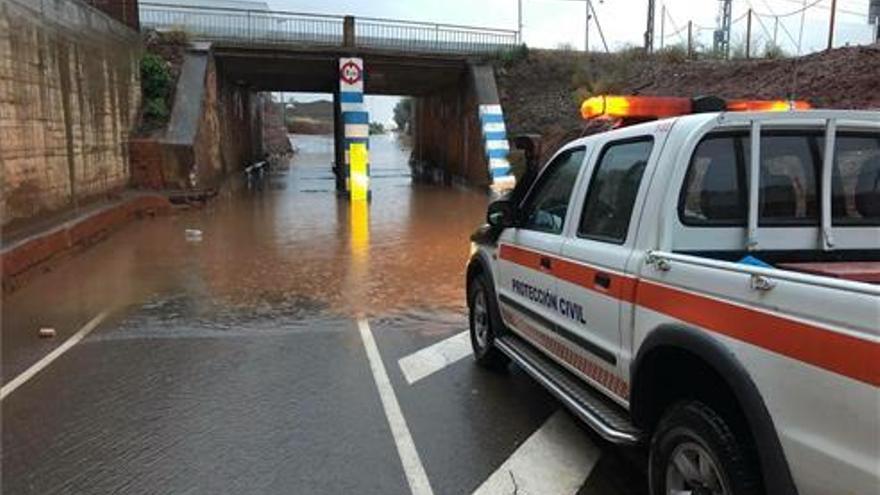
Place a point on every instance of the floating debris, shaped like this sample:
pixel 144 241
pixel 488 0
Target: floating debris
pixel 193 235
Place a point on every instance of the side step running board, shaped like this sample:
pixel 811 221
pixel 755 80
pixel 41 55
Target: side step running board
pixel 608 419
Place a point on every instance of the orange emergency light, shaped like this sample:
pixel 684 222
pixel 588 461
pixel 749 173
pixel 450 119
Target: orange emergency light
pixel 635 107
pixel 641 108
pixel 766 105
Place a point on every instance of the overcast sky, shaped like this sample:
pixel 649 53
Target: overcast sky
pixel 554 23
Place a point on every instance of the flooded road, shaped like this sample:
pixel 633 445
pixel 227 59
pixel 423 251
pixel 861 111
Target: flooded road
pixel 233 364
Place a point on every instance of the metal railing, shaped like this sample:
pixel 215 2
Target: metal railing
pixel 264 26
pixel 228 24
pixel 428 37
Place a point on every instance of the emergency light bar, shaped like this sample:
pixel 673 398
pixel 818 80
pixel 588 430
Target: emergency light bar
pixel 658 107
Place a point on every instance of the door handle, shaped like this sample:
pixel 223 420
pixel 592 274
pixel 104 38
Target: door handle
pixel 602 280
pixel 546 263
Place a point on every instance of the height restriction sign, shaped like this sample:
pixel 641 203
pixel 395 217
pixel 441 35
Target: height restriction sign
pixel 351 74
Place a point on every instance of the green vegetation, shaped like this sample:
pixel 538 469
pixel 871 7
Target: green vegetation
pixel 377 128
pixel 773 51
pixel 156 83
pixel 673 54
pixel 513 55
pixel 160 67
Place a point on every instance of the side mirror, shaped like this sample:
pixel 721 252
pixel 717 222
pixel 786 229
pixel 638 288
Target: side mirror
pixel 501 214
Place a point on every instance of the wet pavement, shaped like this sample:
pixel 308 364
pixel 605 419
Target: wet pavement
pixel 234 364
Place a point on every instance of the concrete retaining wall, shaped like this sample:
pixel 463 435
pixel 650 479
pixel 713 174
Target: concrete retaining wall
pixel 69 96
pixel 215 130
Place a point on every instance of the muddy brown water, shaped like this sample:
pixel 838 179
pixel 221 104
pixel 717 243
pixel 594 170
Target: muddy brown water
pixel 287 249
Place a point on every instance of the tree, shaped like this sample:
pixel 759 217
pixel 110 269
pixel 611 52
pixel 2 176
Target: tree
pixel 403 115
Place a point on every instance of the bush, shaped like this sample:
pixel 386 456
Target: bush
pixel 155 76
pixel 513 55
pixel 156 81
pixel 774 51
pixel 155 110
pixel 675 54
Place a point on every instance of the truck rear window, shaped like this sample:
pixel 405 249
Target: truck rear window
pixel 715 193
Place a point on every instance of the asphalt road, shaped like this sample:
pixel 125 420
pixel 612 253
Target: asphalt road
pixel 287 352
pixel 144 407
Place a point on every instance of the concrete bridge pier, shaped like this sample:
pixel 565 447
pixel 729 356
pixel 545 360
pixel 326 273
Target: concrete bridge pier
pixel 453 142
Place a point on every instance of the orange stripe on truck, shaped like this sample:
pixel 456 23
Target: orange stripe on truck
pixel 843 354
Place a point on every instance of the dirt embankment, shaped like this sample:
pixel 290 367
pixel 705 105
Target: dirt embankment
pixel 315 117
pixel 541 92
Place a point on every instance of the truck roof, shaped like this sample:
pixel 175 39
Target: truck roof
pixel 795 118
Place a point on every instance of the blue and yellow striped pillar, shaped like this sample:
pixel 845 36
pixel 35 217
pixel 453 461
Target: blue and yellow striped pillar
pixel 497 147
pixel 357 128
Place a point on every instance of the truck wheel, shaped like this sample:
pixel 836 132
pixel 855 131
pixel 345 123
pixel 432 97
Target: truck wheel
pixel 694 451
pixel 485 324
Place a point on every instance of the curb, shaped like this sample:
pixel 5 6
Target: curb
pixel 21 258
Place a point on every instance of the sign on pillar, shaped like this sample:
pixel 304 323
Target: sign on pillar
pixel 357 128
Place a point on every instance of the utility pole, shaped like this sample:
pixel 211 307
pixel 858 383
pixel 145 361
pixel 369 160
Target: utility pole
pixel 519 20
pixel 749 35
pixel 831 24
pixel 690 49
pixel 649 31
pixel 587 27
pixel 722 33
pixel 662 26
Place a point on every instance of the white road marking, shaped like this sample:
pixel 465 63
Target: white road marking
pixel 434 358
pixel 556 459
pixel 406 449
pixel 48 358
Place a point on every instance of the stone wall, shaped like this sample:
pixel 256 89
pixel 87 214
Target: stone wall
pixel 69 96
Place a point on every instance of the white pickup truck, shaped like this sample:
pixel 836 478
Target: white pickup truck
pixel 706 286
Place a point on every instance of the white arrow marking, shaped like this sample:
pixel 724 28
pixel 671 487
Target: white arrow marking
pixel 436 357
pixel 556 459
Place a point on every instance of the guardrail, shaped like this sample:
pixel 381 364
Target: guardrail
pixel 264 26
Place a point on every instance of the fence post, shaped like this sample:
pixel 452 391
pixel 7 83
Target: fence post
pixel 749 35
pixel 348 31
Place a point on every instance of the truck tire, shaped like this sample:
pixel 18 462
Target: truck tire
pixel 694 450
pixel 485 324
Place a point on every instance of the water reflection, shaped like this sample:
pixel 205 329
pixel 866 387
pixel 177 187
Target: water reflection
pixel 291 251
pixel 303 242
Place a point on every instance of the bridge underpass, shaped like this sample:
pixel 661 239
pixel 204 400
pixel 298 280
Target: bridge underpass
pixel 448 142
pixel 444 67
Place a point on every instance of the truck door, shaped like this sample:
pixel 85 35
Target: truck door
pixel 592 283
pixel 526 287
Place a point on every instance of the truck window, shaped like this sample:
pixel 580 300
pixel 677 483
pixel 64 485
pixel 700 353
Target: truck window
pixel 613 190
pixel 855 184
pixel 545 208
pixel 789 187
pixel 716 186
